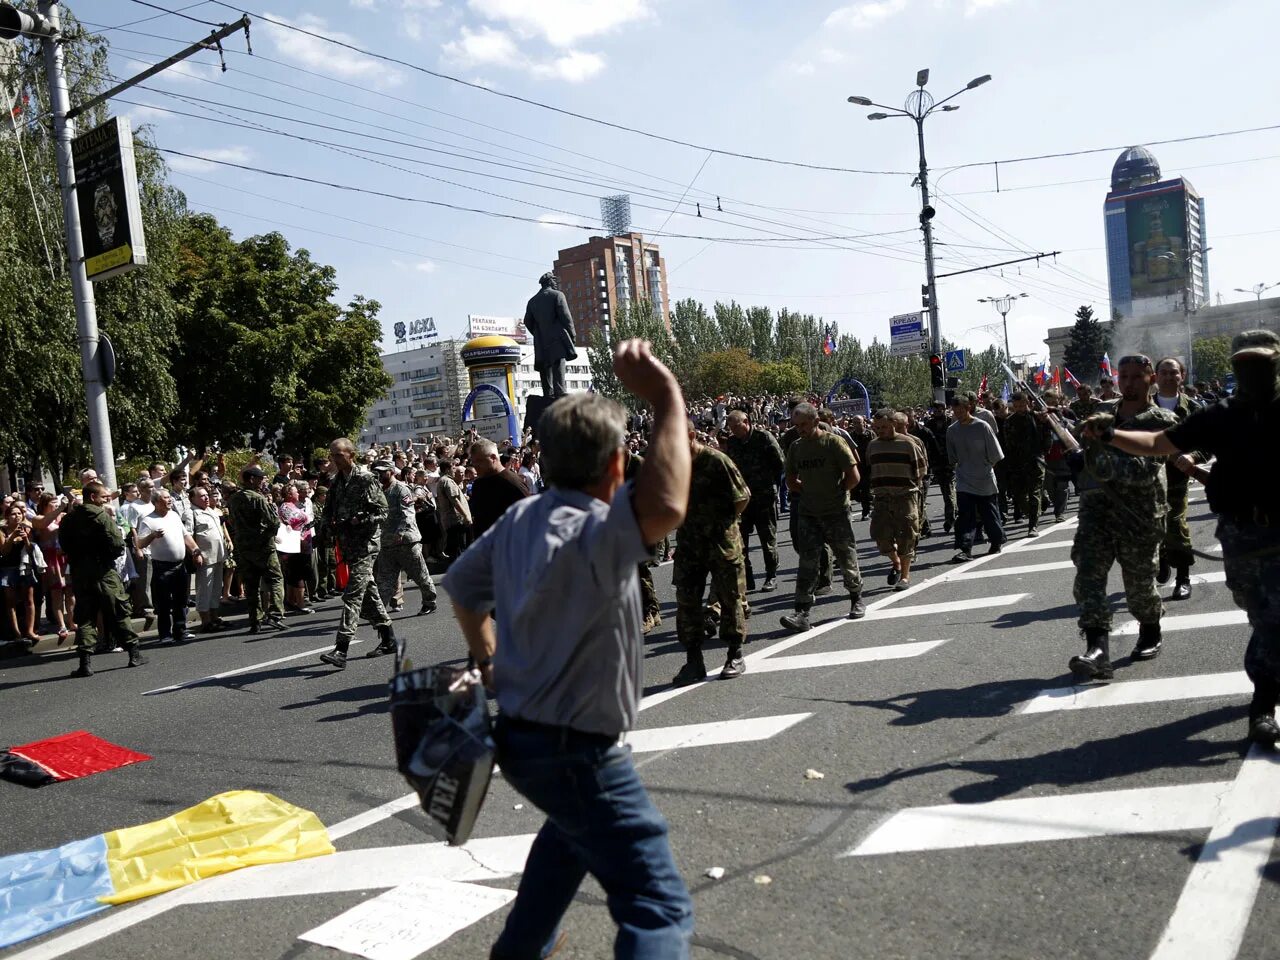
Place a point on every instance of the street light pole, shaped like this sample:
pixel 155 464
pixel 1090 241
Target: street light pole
pixel 1258 289
pixel 919 105
pixel 1003 305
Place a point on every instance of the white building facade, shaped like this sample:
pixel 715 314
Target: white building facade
pixel 426 397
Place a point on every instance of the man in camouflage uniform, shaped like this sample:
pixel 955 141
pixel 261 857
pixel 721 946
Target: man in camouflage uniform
pixel 1025 443
pixel 1240 433
pixel 1084 406
pixel 91 540
pixel 759 459
pixel 354 512
pixel 401 543
pixel 709 542
pixel 824 469
pixel 648 592
pixel 1122 510
pixel 1175 552
pixel 254 523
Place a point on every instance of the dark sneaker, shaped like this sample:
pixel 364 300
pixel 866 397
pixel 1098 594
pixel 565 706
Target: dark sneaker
pixel 690 673
pixel 733 669
pixel 822 591
pixel 770 585
pixel 894 575
pixel 902 585
pixel 335 658
pixel 995 548
pixel 272 624
pixel 797 622
pixel 165 641
pixel 962 557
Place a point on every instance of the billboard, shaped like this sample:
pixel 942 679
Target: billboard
pixel 107 195
pixel 1156 223
pixel 484 326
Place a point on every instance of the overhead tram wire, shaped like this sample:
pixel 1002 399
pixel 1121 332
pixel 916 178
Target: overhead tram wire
pixel 178 13
pixel 157 16
pixel 369 155
pixel 706 193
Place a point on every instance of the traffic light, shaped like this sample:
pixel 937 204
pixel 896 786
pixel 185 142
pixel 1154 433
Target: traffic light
pixel 953 384
pixel 925 300
pixel 936 377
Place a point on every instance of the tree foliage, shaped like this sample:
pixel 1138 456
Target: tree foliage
pixel 731 371
pixel 216 340
pixel 1211 358
pixel 1089 341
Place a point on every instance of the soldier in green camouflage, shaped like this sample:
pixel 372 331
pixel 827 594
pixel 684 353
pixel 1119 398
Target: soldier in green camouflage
pixel 254 523
pixel 401 543
pixel 1175 552
pixel 1084 406
pixel 648 592
pixel 823 469
pixel 759 459
pixel 1025 442
pixel 92 541
pixel 709 543
pixel 354 512
pixel 1122 511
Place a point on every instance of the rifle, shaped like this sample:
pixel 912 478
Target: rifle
pixel 1057 426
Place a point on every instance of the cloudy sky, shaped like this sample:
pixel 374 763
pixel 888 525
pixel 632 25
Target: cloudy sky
pixel 485 189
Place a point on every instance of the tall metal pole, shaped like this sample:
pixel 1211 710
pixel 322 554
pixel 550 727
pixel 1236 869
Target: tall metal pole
pixel 95 391
pixel 926 223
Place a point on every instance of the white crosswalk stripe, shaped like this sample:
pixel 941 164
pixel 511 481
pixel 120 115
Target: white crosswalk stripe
pixel 897 651
pixel 1187 621
pixel 1139 691
pixel 742 730
pixel 985 573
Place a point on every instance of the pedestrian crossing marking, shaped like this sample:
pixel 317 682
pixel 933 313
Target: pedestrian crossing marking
pixel 1164 689
pixel 951 606
pixel 1188 621
pixel 897 651
pixel 1051 545
pixel 1016 571
pixel 716 733
pixel 1192 806
pixel 1213 910
pixel 242 670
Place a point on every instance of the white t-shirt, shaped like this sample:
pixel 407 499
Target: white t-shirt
pixel 135 511
pixel 170 545
pixel 1168 403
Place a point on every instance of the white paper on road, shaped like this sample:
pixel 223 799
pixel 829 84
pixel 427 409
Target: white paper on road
pixel 409 920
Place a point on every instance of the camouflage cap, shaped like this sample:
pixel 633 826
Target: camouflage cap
pixel 1264 343
pixel 383 465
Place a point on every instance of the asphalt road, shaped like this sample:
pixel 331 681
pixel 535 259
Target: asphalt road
pixel 972 804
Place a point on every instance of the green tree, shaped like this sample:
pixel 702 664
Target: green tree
pixel 1211 358
pixel 731 371
pixel 782 377
pixel 1089 341
pixel 638 320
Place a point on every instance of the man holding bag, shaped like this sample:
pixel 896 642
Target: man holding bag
pixel 568 687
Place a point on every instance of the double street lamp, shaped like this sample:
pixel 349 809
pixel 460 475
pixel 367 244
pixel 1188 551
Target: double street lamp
pixel 1258 289
pixel 1003 305
pixel 919 105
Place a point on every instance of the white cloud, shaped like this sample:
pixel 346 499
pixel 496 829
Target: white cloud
pixel 563 22
pixel 413 27
pixel 975 7
pixel 862 16
pixel 574 67
pixel 325 57
pixel 483 47
pixel 803 68
pixel 201 161
pixel 488 47
pixel 144 113
pixel 425 266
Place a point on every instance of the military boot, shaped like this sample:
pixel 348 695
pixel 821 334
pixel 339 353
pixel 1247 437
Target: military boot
pixel 84 670
pixel 1182 585
pixel 693 671
pixel 1095 664
pixel 857 609
pixel 797 622
pixel 136 659
pixel 337 657
pixel 386 644
pixel 1149 641
pixel 1263 729
pixel 428 606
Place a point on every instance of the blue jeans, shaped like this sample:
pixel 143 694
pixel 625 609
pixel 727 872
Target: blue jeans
pixel 599 819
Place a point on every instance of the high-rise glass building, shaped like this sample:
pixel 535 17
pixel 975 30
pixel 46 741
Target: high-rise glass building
pixel 1156 239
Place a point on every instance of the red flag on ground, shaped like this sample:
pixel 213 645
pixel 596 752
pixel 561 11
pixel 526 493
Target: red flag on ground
pixel 78 754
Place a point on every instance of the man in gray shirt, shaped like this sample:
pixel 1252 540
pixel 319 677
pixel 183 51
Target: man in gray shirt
pixel 973 448
pixel 565 660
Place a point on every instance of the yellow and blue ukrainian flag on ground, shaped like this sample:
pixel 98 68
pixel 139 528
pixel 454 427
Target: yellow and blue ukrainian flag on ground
pixel 47 889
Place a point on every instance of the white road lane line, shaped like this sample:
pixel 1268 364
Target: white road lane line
pixel 1016 571
pixel 806 661
pixel 1212 914
pixel 716 733
pixel 1187 621
pixel 1130 692
pixel 1192 806
pixel 242 670
pixel 950 606
pixel 1051 545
